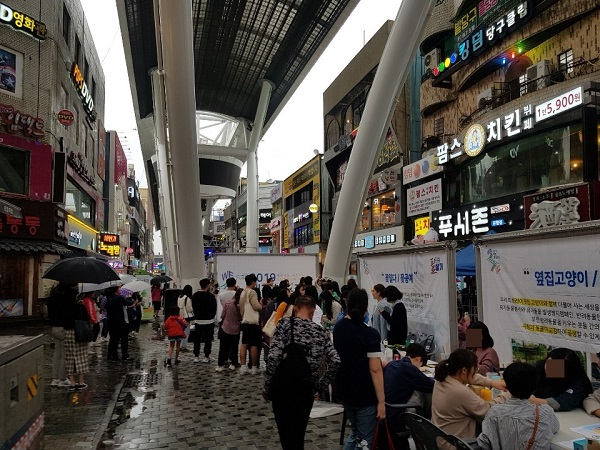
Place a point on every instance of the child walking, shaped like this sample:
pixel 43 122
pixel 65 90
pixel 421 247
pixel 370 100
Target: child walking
pixel 175 326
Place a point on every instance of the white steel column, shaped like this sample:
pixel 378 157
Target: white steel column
pixel 165 197
pixel 252 193
pixel 176 31
pixel 391 74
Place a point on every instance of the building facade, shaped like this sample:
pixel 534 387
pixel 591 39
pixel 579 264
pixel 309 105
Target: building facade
pixel 509 116
pixel 51 110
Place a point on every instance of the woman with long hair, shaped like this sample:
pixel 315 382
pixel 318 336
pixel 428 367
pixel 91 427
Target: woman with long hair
pixel 360 379
pixel 331 310
pixel 455 408
pixel 184 302
pixel 285 305
pixel 76 353
pixel 229 334
pixel 487 358
pixel 397 319
pixel 562 381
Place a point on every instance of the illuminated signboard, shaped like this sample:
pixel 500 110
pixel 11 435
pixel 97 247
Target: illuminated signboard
pixel 422 225
pixel 108 244
pixel 84 92
pixel 22 22
pixel 14 121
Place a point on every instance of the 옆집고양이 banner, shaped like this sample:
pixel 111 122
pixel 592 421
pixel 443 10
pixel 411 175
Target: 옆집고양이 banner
pixel 423 279
pixel 540 294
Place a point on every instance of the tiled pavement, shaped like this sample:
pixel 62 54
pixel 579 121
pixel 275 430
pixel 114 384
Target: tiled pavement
pixel 141 404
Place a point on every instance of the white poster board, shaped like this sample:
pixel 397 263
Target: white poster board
pixel 279 266
pixel 541 292
pixel 423 278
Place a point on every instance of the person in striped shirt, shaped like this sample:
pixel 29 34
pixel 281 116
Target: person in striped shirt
pixel 518 423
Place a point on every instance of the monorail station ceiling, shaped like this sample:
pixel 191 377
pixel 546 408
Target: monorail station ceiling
pixel 236 44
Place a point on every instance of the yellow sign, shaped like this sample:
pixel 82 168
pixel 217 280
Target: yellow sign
pixel 422 225
pixel 316 216
pixel 302 177
pixel 32 387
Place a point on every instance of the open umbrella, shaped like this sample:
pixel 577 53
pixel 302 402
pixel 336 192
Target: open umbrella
pixel 136 286
pixel 126 278
pixel 160 279
pixel 93 287
pixel 81 269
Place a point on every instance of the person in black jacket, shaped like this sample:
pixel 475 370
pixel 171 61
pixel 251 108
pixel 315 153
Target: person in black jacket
pixel 397 319
pixel 204 304
pixel 118 323
pixel 58 303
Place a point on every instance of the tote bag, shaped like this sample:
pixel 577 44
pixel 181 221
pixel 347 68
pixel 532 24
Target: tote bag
pixel 250 316
pixel 269 328
pixel 83 329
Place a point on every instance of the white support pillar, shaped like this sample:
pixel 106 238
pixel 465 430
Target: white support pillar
pixel 176 30
pixel 165 197
pixel 252 195
pixel 391 74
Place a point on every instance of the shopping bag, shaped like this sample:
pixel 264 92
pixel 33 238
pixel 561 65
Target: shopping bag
pixel 269 328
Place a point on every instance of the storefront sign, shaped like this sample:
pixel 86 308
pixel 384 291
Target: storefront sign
pixel 116 264
pixel 80 234
pixel 219 227
pixel 301 217
pixel 390 153
pixel 39 221
pixel 420 169
pixel 500 209
pixel 558 207
pixel 264 216
pixel 80 166
pixel 559 104
pixel 22 22
pixel 264 240
pixel 371 241
pixel 65 117
pixel 425 198
pixel 101 169
pixel 422 225
pixel 10 210
pixel 302 177
pixel 14 121
pixel 274 223
pixel 108 244
pixel 84 92
pixel 485 35
pixel 276 193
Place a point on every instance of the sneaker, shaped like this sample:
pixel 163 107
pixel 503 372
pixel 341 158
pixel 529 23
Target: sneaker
pixel 72 388
pixel 219 369
pixel 56 382
pixel 64 383
pixel 254 371
pixel 231 367
pixel 206 360
pixel 196 359
pixel 81 387
pixel 169 363
pixel 244 369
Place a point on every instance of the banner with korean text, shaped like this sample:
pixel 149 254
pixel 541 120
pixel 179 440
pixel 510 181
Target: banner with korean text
pixel 423 278
pixel 541 293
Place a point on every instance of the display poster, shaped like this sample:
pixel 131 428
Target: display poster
pixel 11 307
pixel 425 198
pixel 423 280
pixel 541 293
pixel 265 266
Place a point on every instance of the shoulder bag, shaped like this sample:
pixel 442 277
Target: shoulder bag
pixel 269 328
pixel 188 317
pixel 535 427
pixel 83 329
pixel 250 316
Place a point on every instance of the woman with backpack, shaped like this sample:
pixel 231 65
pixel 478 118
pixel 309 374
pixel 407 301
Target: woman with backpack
pixel 298 349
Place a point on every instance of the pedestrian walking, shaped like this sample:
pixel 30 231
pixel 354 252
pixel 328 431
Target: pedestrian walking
pixel 175 326
pixel 76 353
pixel 57 305
pixel 118 324
pixel 291 391
pixel 251 332
pixel 229 332
pixel 204 305
pixel 184 302
pixel 156 294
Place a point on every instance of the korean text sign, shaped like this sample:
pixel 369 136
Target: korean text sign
pixel 423 280
pixel 425 198
pixel 544 291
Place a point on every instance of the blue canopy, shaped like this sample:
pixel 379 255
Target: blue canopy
pixel 465 260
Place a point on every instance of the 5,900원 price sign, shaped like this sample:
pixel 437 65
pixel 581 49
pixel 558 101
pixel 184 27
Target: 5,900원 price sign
pixel 559 104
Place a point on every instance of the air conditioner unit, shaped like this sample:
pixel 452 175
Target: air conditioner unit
pixel 432 59
pixel 540 72
pixel 485 98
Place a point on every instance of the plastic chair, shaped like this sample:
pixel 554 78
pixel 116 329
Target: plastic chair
pixel 428 436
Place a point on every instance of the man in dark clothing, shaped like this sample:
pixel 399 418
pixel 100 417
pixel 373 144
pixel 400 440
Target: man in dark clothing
pixel 204 304
pixel 118 324
pixel 401 379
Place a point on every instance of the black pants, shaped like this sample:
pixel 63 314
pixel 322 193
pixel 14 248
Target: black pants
pixel 204 333
pixel 291 415
pixel 234 350
pixel 118 334
pixel 228 347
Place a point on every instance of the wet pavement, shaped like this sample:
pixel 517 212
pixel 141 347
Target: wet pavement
pixel 141 404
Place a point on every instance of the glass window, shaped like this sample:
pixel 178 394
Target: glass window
pixel 547 159
pixel 383 209
pixel 66 25
pixel 77 51
pixel 438 126
pixel 80 203
pixel 565 61
pixel 14 175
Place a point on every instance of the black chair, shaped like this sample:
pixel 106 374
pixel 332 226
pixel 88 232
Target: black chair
pixel 428 436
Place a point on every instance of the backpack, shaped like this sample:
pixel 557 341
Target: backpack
pixel 293 374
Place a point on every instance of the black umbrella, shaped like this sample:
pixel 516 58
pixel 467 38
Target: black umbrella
pixel 159 279
pixel 81 269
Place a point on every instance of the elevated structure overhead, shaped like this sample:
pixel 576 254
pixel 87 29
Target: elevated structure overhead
pixel 235 45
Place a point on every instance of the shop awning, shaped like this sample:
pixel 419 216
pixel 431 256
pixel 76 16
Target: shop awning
pixel 10 245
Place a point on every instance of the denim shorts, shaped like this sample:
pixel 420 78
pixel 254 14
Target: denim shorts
pixel 176 339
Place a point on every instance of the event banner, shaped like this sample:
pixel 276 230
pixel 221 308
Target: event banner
pixel 265 266
pixel 423 280
pixel 541 294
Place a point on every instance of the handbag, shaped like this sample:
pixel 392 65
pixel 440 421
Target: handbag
pixel 269 328
pixel 377 440
pixel 250 316
pixel 188 317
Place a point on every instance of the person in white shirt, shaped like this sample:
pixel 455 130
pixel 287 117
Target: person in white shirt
pixel 226 295
pixel 311 291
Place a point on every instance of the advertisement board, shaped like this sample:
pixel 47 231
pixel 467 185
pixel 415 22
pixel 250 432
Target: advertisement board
pixel 562 206
pixel 425 198
pixel 421 169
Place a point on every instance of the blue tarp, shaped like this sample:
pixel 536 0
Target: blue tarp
pixel 465 260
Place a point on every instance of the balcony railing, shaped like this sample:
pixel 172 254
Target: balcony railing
pixel 505 92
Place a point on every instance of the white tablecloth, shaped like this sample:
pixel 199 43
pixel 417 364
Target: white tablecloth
pixel 571 419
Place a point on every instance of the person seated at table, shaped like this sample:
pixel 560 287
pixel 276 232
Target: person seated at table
pixel 562 381
pixel 401 378
pixel 516 423
pixel 482 343
pixel 592 403
pixel 455 408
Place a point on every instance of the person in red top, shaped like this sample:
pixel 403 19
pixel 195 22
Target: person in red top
pixel 175 326
pixel 156 298
pixel 90 306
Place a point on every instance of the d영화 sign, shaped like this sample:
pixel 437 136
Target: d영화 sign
pixel 22 22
